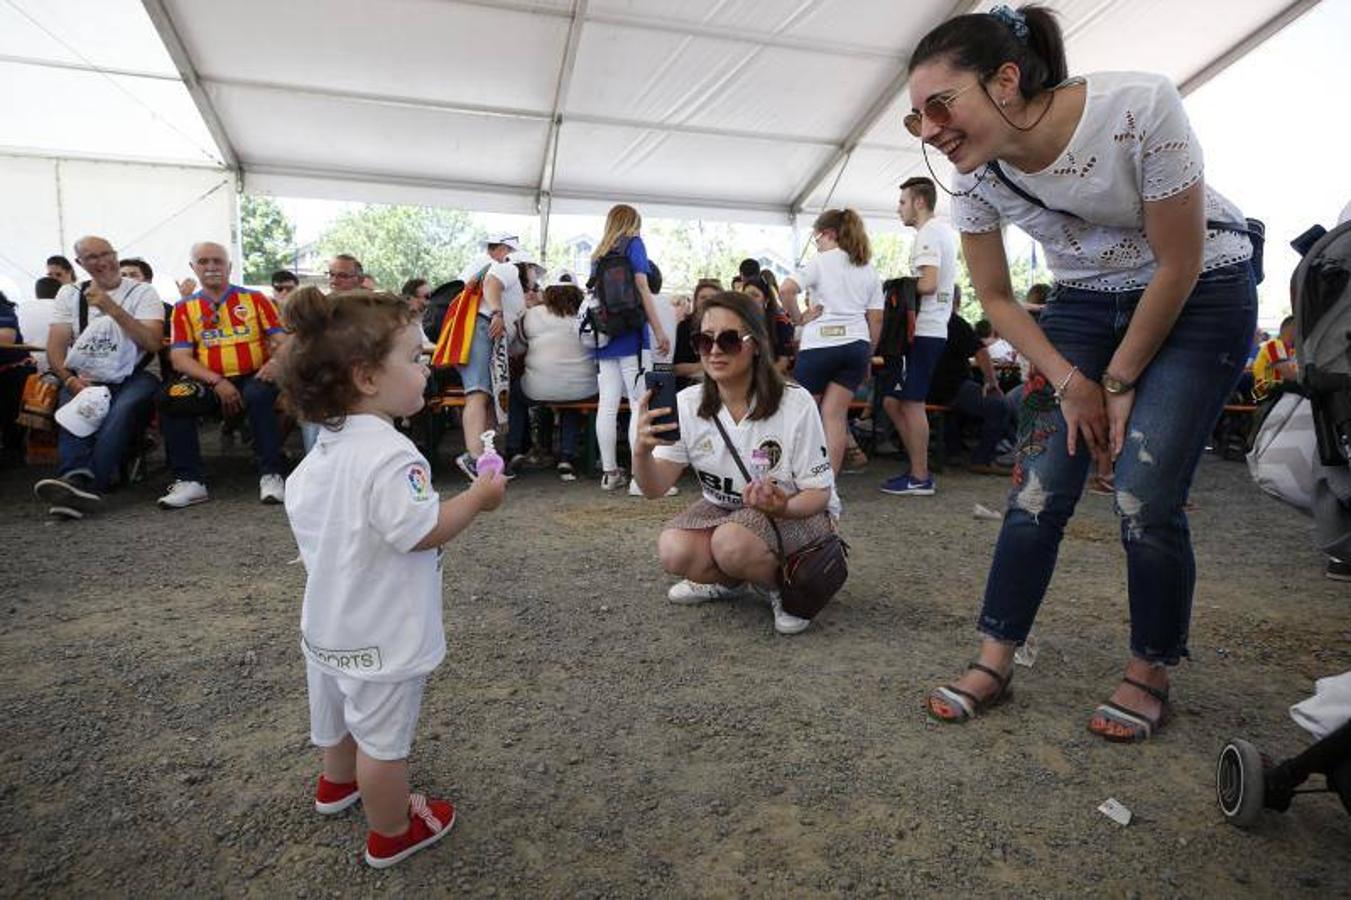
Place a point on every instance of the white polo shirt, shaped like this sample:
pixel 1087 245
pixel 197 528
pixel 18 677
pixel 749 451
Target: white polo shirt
pixel 358 504
pixel 793 437
pixel 935 245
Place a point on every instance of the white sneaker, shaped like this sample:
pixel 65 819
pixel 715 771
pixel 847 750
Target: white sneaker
pixel 785 623
pixel 611 480
pixel 183 493
pixel 635 491
pixel 690 592
pixel 272 489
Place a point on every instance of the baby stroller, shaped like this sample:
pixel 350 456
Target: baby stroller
pixel 1247 781
pixel 1322 286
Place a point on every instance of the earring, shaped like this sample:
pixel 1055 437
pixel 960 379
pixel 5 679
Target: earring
pixel 1003 103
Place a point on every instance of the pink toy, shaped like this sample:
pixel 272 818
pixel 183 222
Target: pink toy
pixel 489 463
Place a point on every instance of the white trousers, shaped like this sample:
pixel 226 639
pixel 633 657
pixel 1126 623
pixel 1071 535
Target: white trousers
pixel 617 378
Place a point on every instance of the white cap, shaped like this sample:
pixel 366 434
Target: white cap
pixel 564 276
pixel 83 415
pixel 504 237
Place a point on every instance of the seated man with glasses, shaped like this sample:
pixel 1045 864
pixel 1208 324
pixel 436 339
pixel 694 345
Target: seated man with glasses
pixel 90 462
pixel 225 337
pixel 284 281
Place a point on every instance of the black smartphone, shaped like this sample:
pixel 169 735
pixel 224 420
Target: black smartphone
pixel 662 383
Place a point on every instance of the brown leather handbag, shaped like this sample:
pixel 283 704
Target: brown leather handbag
pixel 809 576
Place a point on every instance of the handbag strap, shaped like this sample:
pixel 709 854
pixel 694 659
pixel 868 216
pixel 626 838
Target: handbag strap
pixel 1245 228
pixel 745 473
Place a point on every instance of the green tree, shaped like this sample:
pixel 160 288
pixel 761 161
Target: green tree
pixel 267 236
pixel 689 250
pixel 395 243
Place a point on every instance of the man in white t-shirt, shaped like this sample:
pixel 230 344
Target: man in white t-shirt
pixel 502 291
pixel 933 261
pixel 89 463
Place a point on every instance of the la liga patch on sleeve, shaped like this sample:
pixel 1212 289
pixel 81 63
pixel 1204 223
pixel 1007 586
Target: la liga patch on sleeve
pixel 419 482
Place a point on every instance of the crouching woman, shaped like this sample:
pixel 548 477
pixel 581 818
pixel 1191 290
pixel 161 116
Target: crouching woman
pixel 724 545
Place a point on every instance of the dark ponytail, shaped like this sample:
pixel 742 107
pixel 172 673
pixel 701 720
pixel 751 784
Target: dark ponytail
pixel 982 42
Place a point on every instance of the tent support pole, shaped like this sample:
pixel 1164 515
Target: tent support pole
pixel 549 166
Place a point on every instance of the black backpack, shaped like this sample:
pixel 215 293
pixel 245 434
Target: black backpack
pixel 900 305
pixel 619 305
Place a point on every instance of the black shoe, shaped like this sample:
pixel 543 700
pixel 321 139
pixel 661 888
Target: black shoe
pixel 1338 570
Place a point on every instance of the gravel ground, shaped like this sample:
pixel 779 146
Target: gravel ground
pixel 600 742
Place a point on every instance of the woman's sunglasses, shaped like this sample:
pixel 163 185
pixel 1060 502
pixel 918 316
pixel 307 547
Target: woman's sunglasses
pixel 937 110
pixel 729 342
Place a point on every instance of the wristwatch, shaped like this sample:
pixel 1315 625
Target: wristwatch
pixel 1113 385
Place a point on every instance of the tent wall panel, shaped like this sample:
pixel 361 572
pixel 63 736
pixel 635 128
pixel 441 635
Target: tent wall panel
pixel 155 212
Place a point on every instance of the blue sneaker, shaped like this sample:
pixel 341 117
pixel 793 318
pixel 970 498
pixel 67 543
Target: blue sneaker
pixel 905 486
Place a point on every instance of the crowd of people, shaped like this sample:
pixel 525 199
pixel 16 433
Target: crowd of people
pixel 1116 373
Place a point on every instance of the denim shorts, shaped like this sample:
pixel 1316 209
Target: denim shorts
pixel 846 365
pixel 477 374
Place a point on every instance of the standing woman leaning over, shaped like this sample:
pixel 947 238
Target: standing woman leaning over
pixel 620 360
pixel 1144 334
pixel 841 329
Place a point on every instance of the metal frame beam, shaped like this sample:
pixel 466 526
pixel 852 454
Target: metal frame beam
pixel 507 112
pixel 695 29
pixel 178 52
pixel 549 165
pixel 1250 42
pixel 865 123
pixel 84 67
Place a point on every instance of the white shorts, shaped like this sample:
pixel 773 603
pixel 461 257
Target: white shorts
pixel 379 715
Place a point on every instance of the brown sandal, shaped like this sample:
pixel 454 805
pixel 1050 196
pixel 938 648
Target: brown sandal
pixel 968 705
pixel 1141 726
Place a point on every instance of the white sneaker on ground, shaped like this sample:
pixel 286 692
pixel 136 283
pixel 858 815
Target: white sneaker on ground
pixel 466 464
pixel 784 622
pixel 690 592
pixel 65 512
pixel 182 494
pixel 272 489
pixel 635 491
pixel 566 472
pixel 611 480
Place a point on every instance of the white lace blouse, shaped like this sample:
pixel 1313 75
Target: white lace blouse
pixel 1133 144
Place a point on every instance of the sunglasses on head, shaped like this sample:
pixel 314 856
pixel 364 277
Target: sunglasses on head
pixel 729 342
pixel 937 110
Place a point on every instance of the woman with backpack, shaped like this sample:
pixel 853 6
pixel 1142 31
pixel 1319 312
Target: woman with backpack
pixel 841 329
pixel 1142 337
pixel 620 360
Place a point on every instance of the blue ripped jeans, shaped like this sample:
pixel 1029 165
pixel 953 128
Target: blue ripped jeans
pixel 1177 402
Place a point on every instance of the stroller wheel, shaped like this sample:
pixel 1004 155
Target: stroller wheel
pixel 1240 783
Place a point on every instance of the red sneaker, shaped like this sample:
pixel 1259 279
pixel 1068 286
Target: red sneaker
pixel 429 821
pixel 330 798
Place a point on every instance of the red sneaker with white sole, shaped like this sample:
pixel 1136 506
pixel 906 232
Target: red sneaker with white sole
pixel 429 821
pixel 331 798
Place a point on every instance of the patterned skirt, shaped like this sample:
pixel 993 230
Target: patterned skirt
pixel 797 533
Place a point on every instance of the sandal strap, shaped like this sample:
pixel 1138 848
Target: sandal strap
pixel 1129 716
pixel 964 701
pixel 1159 694
pixel 1001 680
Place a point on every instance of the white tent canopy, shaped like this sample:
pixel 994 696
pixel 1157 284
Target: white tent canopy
pixel 748 109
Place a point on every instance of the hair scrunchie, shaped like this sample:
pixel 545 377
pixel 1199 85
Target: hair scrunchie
pixel 1015 20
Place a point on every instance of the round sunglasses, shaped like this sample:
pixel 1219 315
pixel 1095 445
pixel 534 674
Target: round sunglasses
pixel 937 110
pixel 729 342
